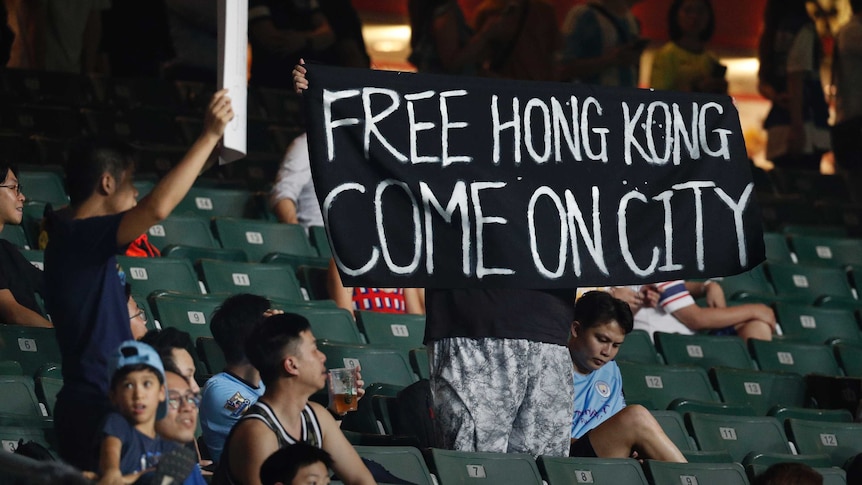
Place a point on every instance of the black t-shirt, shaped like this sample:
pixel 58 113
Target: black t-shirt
pixel 535 315
pixel 20 276
pixel 86 298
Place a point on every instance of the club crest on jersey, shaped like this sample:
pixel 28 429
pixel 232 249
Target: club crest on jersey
pixel 237 405
pixel 603 388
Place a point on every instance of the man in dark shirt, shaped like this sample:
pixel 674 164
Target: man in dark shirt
pixel 85 286
pixel 19 279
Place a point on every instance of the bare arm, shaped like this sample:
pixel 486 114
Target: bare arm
pixel 414 298
pixel 698 318
pixel 345 461
pixel 285 211
pixel 14 313
pixel 710 290
pixel 250 445
pixel 165 196
pixel 342 295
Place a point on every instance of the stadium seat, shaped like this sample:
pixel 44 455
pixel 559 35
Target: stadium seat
pixel 777 250
pixel 210 354
pixel 399 330
pixel 683 406
pixel 194 253
pixel 19 401
pixel 419 362
pixel 759 389
pixel 779 211
pixel 404 462
pixel 296 260
pixel 211 202
pixel 379 364
pixel 780 356
pixel 458 467
pixel 703 350
pixel 827 251
pixel 655 386
pixel 738 435
pixel 32 221
pixel 752 284
pixel 364 420
pixel 30 346
pixel 334 324
pixel 270 280
pixel 850 358
pixel 313 279
pixel 180 229
pixel 666 473
pixel 840 441
pixel 811 414
pixel 11 436
pixel 10 368
pixel 187 312
pixel 48 121
pixel 638 347
pixel 816 324
pixel 830 475
pixel 137 126
pixel 259 238
pixel 47 389
pixel 599 471
pixel 811 185
pixel 147 275
pixel 15 235
pixel 674 427
pixel 43 186
pixel 317 235
pixel 138 92
pixel 809 284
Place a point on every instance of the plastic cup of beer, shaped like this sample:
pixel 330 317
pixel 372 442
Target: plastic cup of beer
pixel 342 389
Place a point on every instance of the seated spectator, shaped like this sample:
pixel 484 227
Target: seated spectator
pixel 228 395
pixel 603 426
pixel 130 446
pixel 677 312
pixel 684 64
pixel 175 348
pixel 386 300
pixel 85 287
pixel 298 464
pixel 180 422
pixel 137 316
pixel 19 279
pixel 283 350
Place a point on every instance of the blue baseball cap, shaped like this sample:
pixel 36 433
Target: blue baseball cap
pixel 132 352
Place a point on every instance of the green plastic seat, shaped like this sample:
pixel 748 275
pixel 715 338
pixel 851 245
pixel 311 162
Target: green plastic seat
pixel 782 356
pixel 44 186
pixel 317 235
pixel 759 389
pixel 36 257
pixel 458 467
pixel 599 471
pixel 11 435
pixel 809 284
pixel 194 253
pixel 15 235
pixel 182 229
pixel 400 330
pixel 703 350
pixel 777 250
pixel 827 251
pixel 419 362
pixel 830 475
pixel 753 284
pixel 379 364
pixel 638 347
pixel 674 427
pixel 811 414
pixel 19 401
pixel 402 461
pixel 214 202
pixel 840 441
pixel 850 358
pixel 269 280
pixel 187 312
pixel 210 354
pixel 147 275
pixel 30 346
pixel 333 324
pixel 666 473
pixel 364 420
pixel 47 389
pixel 10 368
pixel 816 324
pixel 656 386
pixel 738 435
pixel 259 238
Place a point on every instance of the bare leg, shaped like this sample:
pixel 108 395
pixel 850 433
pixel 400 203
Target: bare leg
pixel 634 428
pixel 755 329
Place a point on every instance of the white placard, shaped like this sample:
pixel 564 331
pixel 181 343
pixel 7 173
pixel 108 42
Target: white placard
pixel 232 68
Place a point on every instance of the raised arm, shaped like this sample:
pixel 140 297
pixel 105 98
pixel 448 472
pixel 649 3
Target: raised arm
pixel 171 189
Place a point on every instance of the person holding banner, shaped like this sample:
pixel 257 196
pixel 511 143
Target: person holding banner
pixel 500 373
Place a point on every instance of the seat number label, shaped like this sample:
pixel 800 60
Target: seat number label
pixel 399 330
pixel 240 279
pixel 197 317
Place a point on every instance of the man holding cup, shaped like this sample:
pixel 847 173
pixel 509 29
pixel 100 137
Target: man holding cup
pixel 284 351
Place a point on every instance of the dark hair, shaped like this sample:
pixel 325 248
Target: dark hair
pixel 5 168
pixel 284 464
pixel 89 159
pixel 122 372
pixel 599 307
pixel 778 14
pixel 789 473
pixel 673 21
pixel 165 341
pixel 233 320
pixel 270 340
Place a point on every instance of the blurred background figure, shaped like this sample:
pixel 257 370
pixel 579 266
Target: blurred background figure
pixel 846 76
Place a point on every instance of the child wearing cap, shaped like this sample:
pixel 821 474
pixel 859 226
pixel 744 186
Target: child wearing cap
pixel 130 445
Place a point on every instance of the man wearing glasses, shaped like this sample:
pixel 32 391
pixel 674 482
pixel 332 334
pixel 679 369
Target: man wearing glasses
pixel 181 419
pixel 19 280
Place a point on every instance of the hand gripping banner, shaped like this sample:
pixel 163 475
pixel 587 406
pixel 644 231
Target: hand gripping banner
pixel 453 182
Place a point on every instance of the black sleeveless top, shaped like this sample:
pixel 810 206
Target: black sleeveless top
pixel 310 434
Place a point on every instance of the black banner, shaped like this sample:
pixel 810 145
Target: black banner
pixel 447 182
